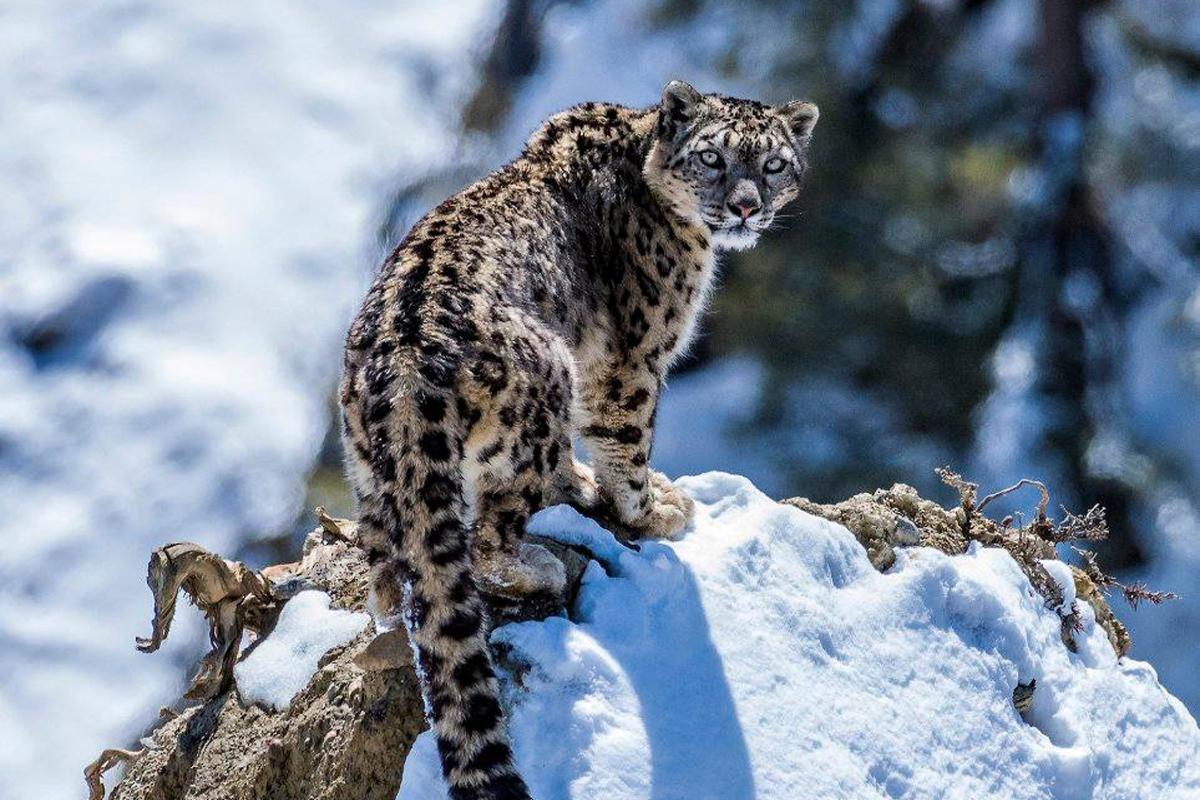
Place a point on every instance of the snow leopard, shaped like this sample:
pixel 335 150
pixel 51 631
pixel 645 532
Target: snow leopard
pixel 541 305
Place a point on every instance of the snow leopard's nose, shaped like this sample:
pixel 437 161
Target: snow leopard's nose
pixel 744 207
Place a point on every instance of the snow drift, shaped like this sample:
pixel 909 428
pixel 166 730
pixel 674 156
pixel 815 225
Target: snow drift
pixel 763 657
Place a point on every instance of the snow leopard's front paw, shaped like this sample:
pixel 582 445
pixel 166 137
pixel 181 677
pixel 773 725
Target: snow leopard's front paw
pixel 662 521
pixel 669 513
pixel 663 490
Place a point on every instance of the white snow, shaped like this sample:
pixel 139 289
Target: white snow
pixel 763 657
pixel 191 192
pixel 284 662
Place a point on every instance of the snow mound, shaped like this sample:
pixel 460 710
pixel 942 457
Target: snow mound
pixel 283 663
pixel 763 657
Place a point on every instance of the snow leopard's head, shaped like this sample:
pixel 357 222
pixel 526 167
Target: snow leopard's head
pixel 725 163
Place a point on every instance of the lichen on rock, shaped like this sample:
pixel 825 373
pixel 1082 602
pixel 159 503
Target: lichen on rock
pixel 899 516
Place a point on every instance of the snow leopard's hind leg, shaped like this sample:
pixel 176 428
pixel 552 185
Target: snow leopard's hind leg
pixel 516 469
pixel 406 461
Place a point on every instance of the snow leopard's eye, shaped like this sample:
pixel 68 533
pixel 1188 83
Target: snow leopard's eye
pixel 711 158
pixel 774 164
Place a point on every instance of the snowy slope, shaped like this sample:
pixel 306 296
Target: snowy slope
pixel 763 657
pixel 190 195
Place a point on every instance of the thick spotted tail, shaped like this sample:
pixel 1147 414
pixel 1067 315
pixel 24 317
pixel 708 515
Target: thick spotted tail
pixel 412 510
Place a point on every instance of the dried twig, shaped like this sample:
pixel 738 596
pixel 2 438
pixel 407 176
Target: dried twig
pixel 1041 487
pixel 1137 592
pixel 1091 527
pixel 1071 623
pixel 967 492
pixel 1133 593
pixel 1091 568
pixel 1029 544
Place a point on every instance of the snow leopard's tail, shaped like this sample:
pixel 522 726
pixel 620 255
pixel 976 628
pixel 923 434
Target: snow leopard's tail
pixel 407 467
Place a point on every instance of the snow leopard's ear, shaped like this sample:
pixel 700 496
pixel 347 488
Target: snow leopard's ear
pixel 801 117
pixel 680 103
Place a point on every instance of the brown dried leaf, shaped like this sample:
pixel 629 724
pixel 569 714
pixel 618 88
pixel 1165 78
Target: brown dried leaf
pixel 232 597
pixel 93 773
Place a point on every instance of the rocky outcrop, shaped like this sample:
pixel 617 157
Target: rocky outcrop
pixel 344 736
pixel 347 732
pixel 899 517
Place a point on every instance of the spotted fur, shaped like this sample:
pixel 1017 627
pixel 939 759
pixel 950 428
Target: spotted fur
pixel 544 301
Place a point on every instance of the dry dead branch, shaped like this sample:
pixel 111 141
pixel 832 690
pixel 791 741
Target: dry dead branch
pixel 1041 487
pixel 1029 544
pixel 1135 593
pixel 1091 527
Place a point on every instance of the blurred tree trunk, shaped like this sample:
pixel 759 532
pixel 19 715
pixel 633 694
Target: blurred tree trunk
pixel 1068 274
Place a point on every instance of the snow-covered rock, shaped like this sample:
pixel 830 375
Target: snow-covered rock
pixel 284 662
pixel 763 657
